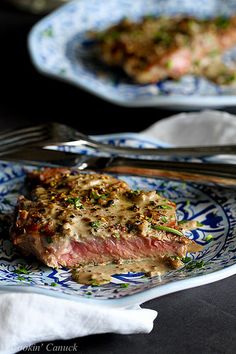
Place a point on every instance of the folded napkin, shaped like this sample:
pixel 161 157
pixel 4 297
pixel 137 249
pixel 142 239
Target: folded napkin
pixel 208 127
pixel 26 318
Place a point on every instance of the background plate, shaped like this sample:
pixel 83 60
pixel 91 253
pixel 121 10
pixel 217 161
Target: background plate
pixel 215 208
pixel 59 47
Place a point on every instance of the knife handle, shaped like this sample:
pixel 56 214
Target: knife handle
pixel 207 173
pixel 174 175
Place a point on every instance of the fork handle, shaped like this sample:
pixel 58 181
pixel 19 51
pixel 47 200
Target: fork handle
pixel 192 151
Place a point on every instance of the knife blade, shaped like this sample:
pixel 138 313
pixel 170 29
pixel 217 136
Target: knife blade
pixel 208 173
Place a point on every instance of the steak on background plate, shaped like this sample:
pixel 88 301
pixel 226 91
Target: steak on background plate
pixel 156 48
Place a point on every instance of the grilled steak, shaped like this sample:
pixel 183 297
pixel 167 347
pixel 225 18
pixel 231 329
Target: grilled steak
pixel 74 219
pixel 159 48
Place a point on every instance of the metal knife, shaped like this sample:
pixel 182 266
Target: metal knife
pixel 208 173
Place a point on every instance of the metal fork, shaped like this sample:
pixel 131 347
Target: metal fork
pixel 60 134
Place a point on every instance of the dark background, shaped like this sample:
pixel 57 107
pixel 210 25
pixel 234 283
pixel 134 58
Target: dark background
pixel 200 320
pixel 30 97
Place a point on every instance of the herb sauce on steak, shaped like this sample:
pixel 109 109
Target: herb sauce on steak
pixel 79 220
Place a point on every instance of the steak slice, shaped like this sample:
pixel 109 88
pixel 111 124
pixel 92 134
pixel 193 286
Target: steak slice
pixel 73 219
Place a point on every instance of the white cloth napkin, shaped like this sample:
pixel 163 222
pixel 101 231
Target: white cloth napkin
pixel 26 318
pixel 208 127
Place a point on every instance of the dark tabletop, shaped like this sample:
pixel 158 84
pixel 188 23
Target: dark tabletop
pixel 200 320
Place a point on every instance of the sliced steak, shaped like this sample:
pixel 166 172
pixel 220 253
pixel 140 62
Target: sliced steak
pixel 74 219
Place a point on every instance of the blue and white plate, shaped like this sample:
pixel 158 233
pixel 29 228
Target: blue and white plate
pixel 59 47
pixel 213 207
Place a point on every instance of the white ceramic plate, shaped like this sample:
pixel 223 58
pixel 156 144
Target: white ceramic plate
pixel 215 208
pixel 59 47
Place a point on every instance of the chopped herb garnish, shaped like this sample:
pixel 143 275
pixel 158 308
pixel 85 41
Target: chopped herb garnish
pixel 196 62
pixel 103 196
pixel 186 259
pixel 164 219
pixel 20 278
pixel 181 222
pixel 195 265
pixel 191 24
pixel 116 235
pixel 149 17
pixel 76 202
pixel 199 224
pixel 163 38
pixel 135 192
pixel 175 258
pixel 124 285
pixel 94 283
pixel 187 203
pixel 48 32
pixel 229 78
pixel 95 224
pixel 113 35
pixel 222 22
pixel 169 64
pixel 21 270
pixel 49 239
pixel 214 53
pixel 209 238
pixel 95 195
pixel 88 293
pixel 165 206
pixel 53 284
pixel 167 229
